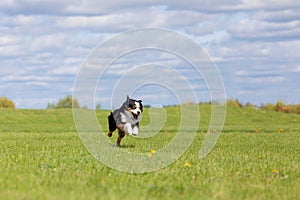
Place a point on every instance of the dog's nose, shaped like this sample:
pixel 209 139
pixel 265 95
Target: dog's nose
pixel 138 112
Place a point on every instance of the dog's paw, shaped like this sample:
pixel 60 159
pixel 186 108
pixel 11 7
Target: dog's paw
pixel 109 134
pixel 135 131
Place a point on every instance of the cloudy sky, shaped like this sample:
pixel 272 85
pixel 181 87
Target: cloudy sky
pixel 255 44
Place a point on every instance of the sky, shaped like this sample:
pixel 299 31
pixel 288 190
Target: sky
pixel 254 44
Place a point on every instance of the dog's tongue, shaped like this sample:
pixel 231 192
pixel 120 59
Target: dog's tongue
pixel 135 116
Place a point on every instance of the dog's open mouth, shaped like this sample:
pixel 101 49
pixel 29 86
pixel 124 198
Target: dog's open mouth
pixel 135 116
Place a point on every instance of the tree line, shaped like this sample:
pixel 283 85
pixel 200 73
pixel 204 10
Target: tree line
pixel 280 106
pixel 68 102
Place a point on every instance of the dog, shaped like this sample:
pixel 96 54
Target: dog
pixel 126 119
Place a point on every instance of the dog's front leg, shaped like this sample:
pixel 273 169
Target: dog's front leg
pixel 135 130
pixel 128 128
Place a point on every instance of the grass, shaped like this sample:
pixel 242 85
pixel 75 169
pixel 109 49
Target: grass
pixel 256 157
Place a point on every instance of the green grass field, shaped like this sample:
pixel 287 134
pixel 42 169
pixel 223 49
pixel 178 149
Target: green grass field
pixel 256 157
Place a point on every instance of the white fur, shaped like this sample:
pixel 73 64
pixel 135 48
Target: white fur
pixel 127 117
pixel 135 131
pixel 128 128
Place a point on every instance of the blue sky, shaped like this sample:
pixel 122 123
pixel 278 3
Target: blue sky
pixel 255 44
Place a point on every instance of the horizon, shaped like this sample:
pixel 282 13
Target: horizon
pixel 99 106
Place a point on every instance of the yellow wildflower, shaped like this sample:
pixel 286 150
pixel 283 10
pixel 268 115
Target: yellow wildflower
pixel 187 164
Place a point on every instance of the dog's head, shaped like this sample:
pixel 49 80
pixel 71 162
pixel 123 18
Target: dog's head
pixel 135 107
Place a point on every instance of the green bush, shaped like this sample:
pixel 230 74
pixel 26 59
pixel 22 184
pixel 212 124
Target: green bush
pixel 6 103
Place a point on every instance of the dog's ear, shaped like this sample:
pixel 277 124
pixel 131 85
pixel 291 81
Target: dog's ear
pixel 141 105
pixel 127 98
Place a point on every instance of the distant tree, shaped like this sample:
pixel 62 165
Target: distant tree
pixel 279 106
pixel 297 108
pixel 269 106
pixel 234 103
pixel 98 106
pixel 75 103
pixel 51 105
pixel 6 103
pixel 67 102
pixel 249 105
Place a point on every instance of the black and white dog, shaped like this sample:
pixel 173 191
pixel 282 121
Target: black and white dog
pixel 126 119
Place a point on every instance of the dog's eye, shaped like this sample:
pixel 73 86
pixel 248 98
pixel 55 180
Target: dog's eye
pixel 134 107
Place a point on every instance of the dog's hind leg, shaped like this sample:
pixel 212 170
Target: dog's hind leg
pixel 121 135
pixel 112 124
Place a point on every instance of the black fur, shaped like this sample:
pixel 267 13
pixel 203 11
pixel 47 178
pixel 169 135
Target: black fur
pixel 112 123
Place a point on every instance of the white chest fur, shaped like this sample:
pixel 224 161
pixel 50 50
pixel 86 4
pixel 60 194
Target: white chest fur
pixel 127 117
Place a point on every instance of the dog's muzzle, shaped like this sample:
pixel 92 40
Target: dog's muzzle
pixel 135 116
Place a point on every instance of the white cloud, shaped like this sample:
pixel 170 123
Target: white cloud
pixel 263 79
pixel 17 20
pixel 48 42
pixel 64 70
pixel 100 7
pixel 269 4
pixel 9 40
pixel 232 5
pixel 11 51
pixel 214 38
pixel 252 29
pixel 26 78
pixel 296 69
pixel 282 15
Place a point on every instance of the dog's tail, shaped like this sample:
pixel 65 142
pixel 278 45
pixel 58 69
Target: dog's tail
pixel 111 123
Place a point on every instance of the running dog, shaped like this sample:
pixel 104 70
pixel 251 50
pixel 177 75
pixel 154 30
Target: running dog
pixel 126 119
